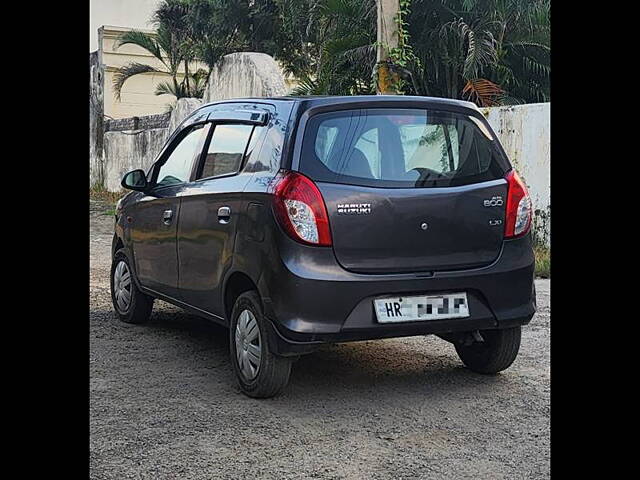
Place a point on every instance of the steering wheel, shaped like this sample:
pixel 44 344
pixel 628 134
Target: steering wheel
pixel 427 174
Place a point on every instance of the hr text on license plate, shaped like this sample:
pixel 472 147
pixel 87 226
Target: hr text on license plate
pixel 425 307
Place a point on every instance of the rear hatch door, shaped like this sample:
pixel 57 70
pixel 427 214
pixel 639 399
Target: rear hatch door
pixel 398 230
pixel 408 190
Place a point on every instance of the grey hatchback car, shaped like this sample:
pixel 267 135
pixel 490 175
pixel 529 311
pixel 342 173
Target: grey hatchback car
pixel 300 221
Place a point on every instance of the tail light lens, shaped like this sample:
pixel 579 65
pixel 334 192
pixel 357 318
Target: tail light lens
pixel 519 208
pixel 300 209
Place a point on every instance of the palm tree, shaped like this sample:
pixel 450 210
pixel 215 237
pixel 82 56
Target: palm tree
pixel 523 66
pixel 491 52
pixel 211 28
pixel 488 51
pixel 172 47
pixel 328 44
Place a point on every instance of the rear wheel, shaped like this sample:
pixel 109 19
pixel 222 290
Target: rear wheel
pixel 496 353
pixel 260 373
pixel 131 305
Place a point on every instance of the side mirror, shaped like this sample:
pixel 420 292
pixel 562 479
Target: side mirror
pixel 135 180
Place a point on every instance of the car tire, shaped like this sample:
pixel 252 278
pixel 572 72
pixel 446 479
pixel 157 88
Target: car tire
pixel 496 353
pixel 260 373
pixel 130 304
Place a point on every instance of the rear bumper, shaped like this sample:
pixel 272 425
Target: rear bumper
pixel 310 299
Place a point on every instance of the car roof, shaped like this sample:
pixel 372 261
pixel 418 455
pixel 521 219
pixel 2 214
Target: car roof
pixel 327 100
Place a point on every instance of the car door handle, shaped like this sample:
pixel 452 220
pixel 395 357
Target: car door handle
pixel 167 216
pixel 224 215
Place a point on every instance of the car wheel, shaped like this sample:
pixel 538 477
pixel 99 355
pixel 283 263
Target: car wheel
pixel 131 305
pixel 260 373
pixel 496 353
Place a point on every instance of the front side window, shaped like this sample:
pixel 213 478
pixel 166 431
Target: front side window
pixel 399 148
pixel 226 150
pixel 177 168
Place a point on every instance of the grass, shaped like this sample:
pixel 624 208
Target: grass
pixel 102 195
pixel 543 261
pixel 99 194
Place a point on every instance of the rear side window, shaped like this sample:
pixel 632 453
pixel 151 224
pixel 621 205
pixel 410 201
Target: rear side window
pixel 226 150
pixel 400 148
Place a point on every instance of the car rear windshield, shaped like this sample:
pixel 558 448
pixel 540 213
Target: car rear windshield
pixel 400 148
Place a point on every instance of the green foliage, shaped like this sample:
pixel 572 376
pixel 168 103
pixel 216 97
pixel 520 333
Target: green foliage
pixel 215 28
pixel 403 55
pixel 543 261
pixel 328 44
pixel 98 193
pixel 172 46
pixel 504 42
pixel 126 72
pixel 490 52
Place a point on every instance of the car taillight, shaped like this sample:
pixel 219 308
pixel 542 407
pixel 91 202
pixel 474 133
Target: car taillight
pixel 300 209
pixel 519 208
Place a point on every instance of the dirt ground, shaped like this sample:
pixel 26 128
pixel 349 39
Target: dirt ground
pixel 164 403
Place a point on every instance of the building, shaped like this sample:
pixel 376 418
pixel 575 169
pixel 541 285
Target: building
pixel 138 94
pixel 108 20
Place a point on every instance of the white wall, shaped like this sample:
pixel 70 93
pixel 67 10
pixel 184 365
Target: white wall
pixel 122 13
pixel 126 151
pixel 245 74
pixel 525 134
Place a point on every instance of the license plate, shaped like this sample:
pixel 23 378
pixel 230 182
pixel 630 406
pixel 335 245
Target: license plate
pixel 420 308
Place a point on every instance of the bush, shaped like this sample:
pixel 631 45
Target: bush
pixel 543 261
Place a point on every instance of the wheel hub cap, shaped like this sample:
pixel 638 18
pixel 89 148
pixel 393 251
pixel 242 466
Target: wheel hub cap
pixel 248 344
pixel 122 286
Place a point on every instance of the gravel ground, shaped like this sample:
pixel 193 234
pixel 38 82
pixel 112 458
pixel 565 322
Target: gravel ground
pixel 164 403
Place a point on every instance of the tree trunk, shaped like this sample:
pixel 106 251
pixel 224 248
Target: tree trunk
pixel 387 39
pixel 186 77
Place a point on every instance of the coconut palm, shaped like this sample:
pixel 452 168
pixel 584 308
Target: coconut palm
pixel 329 45
pixel 214 28
pixel 489 51
pixel 172 47
pixel 523 66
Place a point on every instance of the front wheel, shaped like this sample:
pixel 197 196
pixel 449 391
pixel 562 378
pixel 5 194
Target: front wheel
pixel 496 353
pixel 131 305
pixel 260 373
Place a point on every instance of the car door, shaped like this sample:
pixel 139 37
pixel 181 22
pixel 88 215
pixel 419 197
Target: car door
pixel 153 222
pixel 210 209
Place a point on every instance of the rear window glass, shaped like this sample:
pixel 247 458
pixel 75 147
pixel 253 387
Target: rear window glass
pixel 399 148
